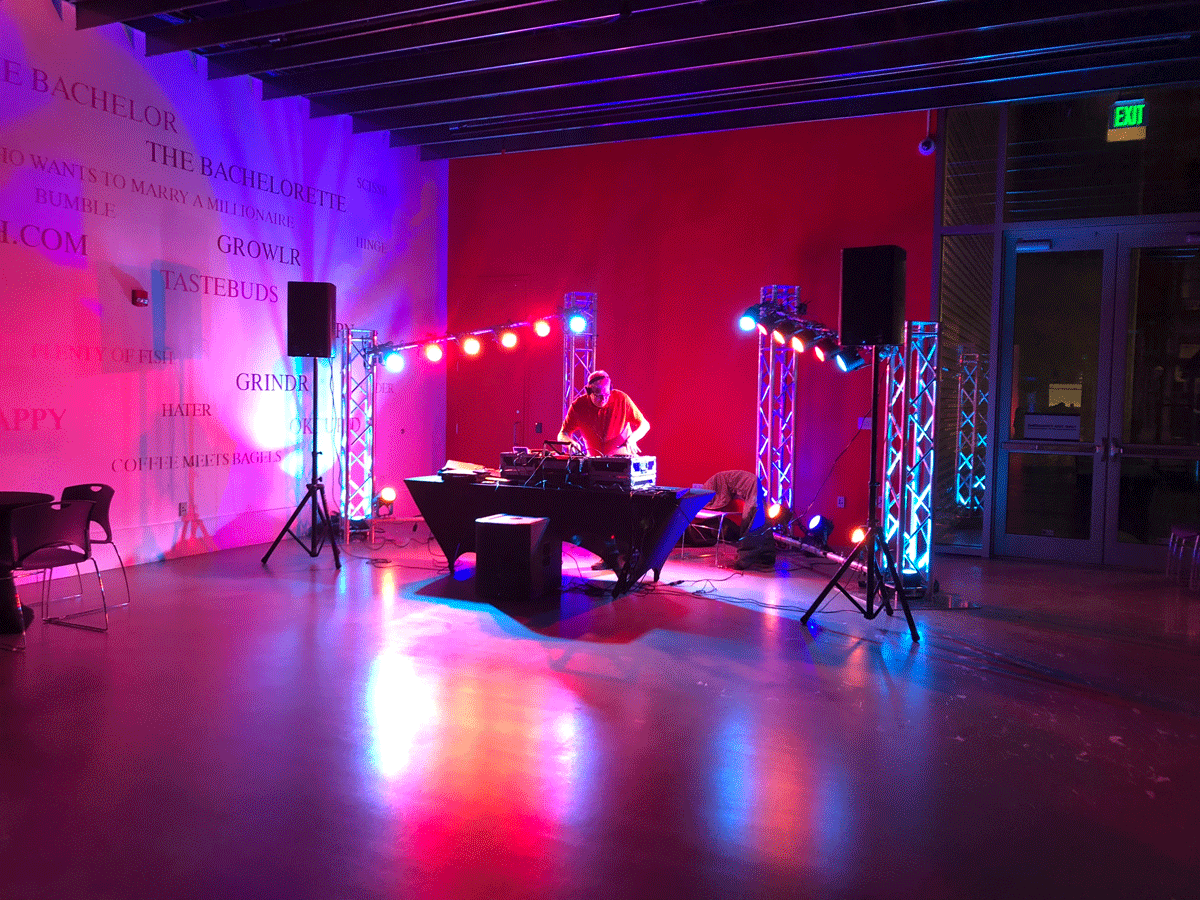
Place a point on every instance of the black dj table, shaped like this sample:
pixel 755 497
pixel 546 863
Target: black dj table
pixel 633 529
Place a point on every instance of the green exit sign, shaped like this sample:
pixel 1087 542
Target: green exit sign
pixel 1127 121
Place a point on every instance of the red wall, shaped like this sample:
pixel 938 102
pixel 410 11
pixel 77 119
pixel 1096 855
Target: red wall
pixel 677 236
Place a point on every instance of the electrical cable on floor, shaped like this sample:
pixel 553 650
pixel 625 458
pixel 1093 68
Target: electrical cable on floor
pixel 385 562
pixel 669 587
pixel 585 586
pixel 712 582
pixel 383 542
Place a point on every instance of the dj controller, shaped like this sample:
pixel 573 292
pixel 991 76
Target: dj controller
pixel 540 467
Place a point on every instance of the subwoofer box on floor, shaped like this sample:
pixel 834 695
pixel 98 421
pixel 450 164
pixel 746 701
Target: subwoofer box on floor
pixel 515 558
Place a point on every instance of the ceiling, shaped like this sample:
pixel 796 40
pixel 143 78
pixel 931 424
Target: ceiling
pixel 473 77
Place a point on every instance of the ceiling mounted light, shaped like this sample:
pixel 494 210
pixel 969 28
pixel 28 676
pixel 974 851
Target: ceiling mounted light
pixel 471 345
pixel 508 338
pixel 541 328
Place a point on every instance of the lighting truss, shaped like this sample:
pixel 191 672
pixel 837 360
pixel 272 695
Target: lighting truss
pixel 892 497
pixel 776 398
pixel 971 464
pixel 909 448
pixel 445 340
pixel 360 355
pixel 921 344
pixel 579 350
pixel 361 352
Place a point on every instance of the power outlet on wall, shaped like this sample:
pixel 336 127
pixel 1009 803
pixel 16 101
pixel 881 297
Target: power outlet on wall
pixel 183 507
pixel 841 502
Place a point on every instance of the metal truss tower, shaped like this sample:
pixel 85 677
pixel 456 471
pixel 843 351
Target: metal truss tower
pixel 776 397
pixel 909 449
pixel 359 358
pixel 579 349
pixel 892 498
pixel 970 470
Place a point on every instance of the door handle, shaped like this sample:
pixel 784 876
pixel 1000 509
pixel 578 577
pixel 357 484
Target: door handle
pixel 1114 449
pixel 1032 245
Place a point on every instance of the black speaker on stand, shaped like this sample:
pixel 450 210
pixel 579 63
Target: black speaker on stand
pixel 872 307
pixel 882 580
pixel 311 317
pixel 872 315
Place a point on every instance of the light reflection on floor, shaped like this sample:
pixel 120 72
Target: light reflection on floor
pixel 377 731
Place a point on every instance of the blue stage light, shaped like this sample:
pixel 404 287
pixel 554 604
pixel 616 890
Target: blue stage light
pixel 393 361
pixel 848 359
pixel 749 319
pixel 819 530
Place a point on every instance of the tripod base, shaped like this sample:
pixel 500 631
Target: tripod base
pixel 873 545
pixel 322 527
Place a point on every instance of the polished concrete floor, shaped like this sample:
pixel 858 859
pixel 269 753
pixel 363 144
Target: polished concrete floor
pixel 294 731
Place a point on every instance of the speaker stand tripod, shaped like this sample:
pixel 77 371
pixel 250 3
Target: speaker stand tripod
pixel 322 527
pixel 873 544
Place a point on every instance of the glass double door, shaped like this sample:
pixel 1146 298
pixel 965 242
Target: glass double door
pixel 1098 394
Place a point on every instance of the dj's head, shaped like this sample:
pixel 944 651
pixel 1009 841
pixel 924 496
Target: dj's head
pixel 599 387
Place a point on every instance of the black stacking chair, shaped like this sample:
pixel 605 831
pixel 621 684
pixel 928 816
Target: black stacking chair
pixel 101 496
pixel 47 536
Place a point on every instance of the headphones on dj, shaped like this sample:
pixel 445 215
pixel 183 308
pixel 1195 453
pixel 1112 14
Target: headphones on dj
pixel 597 379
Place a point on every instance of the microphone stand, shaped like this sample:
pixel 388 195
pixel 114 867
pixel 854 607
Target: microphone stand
pixel 873 544
pixel 315 495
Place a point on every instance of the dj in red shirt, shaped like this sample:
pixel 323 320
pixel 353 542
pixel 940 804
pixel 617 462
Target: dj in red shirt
pixel 604 421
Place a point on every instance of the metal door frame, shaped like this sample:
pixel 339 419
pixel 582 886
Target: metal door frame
pixel 1050 240
pixel 1129 238
pixel 1117 242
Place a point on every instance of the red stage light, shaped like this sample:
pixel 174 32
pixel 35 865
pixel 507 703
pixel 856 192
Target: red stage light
pixel 825 348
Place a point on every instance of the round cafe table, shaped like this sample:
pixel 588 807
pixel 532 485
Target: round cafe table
pixel 12 620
